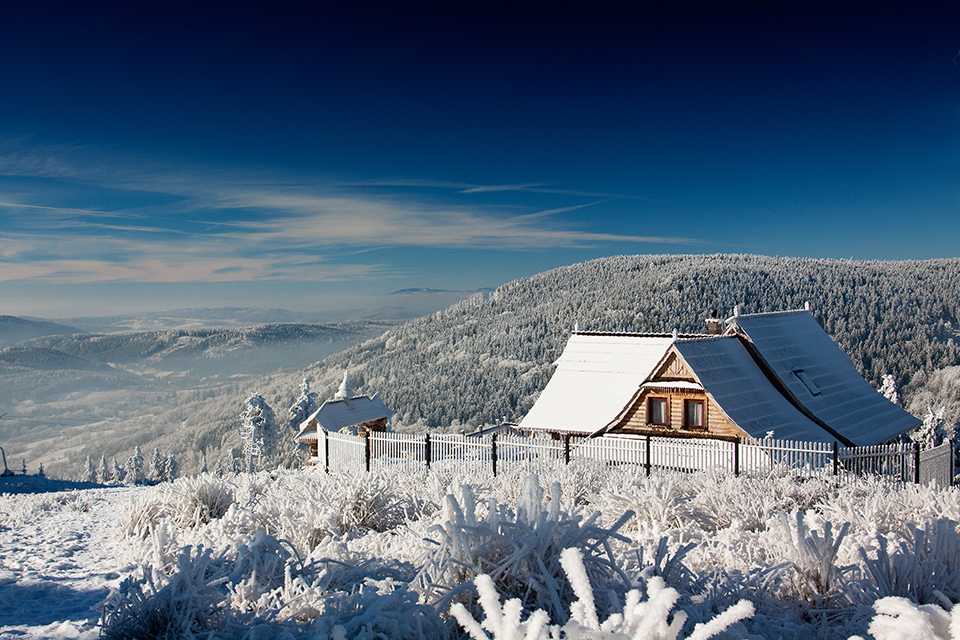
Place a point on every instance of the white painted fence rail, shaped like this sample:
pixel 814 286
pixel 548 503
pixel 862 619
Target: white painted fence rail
pixel 485 454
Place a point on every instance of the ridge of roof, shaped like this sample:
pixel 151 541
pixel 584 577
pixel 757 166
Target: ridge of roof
pixel 786 312
pixel 633 334
pixel 704 337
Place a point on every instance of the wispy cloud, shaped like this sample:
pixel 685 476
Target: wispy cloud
pixel 170 223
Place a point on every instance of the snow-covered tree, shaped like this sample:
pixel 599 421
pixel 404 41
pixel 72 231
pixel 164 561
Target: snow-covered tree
pixel 258 429
pixel 933 431
pixel 233 462
pixel 158 469
pixel 228 463
pixel 89 472
pixel 888 389
pixel 133 469
pixel 304 406
pixel 171 468
pixel 116 472
pixel 203 463
pixel 103 471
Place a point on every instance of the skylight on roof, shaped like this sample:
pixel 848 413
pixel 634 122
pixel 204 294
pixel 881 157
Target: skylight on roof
pixel 807 382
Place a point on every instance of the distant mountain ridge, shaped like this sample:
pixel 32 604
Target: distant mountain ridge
pixel 135 346
pixel 14 329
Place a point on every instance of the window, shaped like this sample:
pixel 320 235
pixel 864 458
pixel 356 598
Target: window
pixel 693 414
pixel 657 411
pixel 807 382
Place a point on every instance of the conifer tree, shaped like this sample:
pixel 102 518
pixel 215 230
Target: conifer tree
pixel 888 389
pixel 133 469
pixel 116 472
pixel 103 471
pixel 89 472
pixel 172 468
pixel 933 431
pixel 258 429
pixel 304 405
pixel 158 466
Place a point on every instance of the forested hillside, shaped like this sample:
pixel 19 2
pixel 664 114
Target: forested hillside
pixel 487 358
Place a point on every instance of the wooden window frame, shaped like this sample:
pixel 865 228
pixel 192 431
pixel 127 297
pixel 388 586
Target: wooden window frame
pixel 687 403
pixel 666 411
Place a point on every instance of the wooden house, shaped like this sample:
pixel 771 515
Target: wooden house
pixel 773 374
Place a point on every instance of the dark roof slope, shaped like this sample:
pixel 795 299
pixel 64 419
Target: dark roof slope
pixel 729 373
pixel 821 377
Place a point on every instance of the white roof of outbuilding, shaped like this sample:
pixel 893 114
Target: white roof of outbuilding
pixel 822 378
pixel 730 375
pixel 333 415
pixel 595 378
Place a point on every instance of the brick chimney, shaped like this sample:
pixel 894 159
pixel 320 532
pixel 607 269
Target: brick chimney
pixel 714 325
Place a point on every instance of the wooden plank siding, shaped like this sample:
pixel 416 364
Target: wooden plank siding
pixel 635 420
pixel 673 369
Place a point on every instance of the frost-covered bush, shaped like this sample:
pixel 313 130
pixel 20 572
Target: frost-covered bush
pixel 309 553
pixel 813 555
pixel 150 606
pixel 519 550
pixel 662 498
pixel 187 502
pixel 901 619
pixel 923 565
pixel 642 618
pixel 723 498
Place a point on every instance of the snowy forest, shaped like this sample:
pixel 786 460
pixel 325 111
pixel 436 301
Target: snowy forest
pixel 486 358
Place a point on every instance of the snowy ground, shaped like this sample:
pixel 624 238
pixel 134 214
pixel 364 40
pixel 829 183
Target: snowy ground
pixel 384 555
pixel 58 557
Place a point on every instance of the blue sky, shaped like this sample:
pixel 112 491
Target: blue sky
pixel 159 155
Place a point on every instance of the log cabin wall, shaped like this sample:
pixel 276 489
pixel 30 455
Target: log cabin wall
pixel 636 419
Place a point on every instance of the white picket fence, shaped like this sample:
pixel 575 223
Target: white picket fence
pixel 490 453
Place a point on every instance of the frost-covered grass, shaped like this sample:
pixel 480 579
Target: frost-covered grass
pixel 572 552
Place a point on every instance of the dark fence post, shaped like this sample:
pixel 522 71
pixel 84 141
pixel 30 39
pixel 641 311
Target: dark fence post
pixel 916 463
pixel 953 469
pixel 366 450
pixel 566 449
pixel 326 452
pixel 493 453
pixel 426 449
pixel 736 456
pixel 646 462
pixel 836 458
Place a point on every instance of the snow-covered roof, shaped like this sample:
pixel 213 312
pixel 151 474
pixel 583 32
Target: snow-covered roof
pixel 334 415
pixel 673 384
pixel 731 376
pixel 821 376
pixel 595 378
